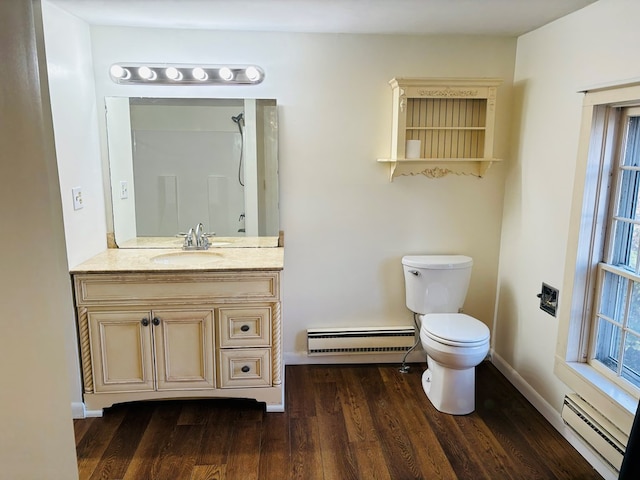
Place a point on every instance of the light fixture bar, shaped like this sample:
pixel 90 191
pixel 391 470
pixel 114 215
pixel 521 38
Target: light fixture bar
pixel 174 74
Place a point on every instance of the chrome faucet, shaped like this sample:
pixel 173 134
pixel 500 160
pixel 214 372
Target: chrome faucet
pixel 188 240
pixel 196 239
pixel 202 242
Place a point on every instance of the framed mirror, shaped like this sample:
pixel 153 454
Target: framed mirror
pixel 177 162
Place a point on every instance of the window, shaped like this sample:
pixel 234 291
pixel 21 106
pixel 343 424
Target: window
pixel 615 350
pixel 598 348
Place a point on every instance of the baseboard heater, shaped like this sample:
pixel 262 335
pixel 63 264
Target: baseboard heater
pixel 604 438
pixel 335 341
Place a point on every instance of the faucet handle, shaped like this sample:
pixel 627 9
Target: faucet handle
pixel 188 239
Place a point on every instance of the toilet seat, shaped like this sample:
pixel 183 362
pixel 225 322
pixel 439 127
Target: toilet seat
pixel 455 329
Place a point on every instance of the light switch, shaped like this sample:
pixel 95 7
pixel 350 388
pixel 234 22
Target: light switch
pixel 77 198
pixel 124 190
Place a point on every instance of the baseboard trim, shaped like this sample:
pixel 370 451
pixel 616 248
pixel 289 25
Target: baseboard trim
pixel 302 358
pixel 77 410
pixel 552 416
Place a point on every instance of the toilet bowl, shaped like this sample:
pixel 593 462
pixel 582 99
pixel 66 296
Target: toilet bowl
pixel 455 343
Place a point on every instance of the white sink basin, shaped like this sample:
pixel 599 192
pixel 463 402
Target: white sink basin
pixel 197 258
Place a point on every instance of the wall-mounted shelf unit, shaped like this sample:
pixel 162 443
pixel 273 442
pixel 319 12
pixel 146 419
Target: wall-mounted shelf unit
pixel 442 126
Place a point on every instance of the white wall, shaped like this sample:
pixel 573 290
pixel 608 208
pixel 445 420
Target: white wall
pixel 346 227
pixel 75 122
pixel 594 45
pixel 35 295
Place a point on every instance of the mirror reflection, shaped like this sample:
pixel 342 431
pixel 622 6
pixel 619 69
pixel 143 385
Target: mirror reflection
pixel 175 163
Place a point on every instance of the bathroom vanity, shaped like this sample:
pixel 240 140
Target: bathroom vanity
pixel 165 323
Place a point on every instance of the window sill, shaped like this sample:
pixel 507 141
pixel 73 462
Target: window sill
pixel 604 395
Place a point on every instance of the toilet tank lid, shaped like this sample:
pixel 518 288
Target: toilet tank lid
pixel 438 262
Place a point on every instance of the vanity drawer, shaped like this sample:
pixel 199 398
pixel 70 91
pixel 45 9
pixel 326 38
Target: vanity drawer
pixel 244 326
pixel 247 367
pixel 131 289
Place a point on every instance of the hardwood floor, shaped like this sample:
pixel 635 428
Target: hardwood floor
pixel 342 422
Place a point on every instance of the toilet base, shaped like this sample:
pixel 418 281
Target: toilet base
pixel 450 391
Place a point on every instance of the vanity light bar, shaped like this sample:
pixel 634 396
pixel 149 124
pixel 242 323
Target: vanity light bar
pixel 171 74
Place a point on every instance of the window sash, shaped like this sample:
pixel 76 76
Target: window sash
pixel 615 331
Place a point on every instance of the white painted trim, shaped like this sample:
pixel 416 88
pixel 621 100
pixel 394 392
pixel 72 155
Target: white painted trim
pixel 77 410
pixel 553 417
pixel 302 358
pixel 93 413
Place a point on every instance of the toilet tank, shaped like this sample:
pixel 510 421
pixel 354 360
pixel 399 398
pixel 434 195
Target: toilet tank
pixel 436 283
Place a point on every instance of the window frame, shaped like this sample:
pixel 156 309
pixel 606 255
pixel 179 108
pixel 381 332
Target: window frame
pixel 614 169
pixel 589 214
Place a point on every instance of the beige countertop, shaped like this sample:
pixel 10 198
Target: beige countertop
pixel 221 242
pixel 175 259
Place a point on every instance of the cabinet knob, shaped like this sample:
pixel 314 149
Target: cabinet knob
pixel 156 321
pixel 244 328
pixel 245 369
pixel 145 322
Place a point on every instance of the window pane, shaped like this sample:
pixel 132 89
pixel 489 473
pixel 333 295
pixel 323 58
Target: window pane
pixel 631 363
pixel 626 244
pixel 634 309
pixel 628 193
pixel 608 344
pixel 614 296
pixel 632 144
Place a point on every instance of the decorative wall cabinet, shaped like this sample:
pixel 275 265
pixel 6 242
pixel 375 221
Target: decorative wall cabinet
pixel 180 335
pixel 442 126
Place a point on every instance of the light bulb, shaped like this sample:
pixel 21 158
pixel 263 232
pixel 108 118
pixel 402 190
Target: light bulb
pixel 173 73
pixel 252 73
pixel 146 73
pixel 225 73
pixel 199 74
pixel 119 72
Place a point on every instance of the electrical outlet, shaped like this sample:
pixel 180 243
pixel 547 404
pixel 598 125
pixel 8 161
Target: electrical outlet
pixel 124 190
pixel 77 198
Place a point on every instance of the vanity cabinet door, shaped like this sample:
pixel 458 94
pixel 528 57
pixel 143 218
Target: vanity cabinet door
pixel 121 351
pixel 184 349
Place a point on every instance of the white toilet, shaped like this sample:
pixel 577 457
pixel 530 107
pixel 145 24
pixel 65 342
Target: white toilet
pixel 455 343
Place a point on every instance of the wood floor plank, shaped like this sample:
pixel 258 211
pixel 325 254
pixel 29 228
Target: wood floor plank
pixel 494 399
pixel 243 461
pixel 178 455
pixel 80 428
pixel 298 384
pixel 160 428
pixel 194 412
pixel 370 460
pixel 338 459
pixel 209 472
pixel 355 409
pixel 396 444
pixel 341 422
pixel 546 441
pixel 116 458
pixel 275 451
pixel 217 436
pixel 95 441
pixel 306 458
pixel 413 407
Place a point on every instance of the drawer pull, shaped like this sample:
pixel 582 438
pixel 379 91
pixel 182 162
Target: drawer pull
pixel 145 322
pixel 245 369
pixel 244 328
pixel 156 321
